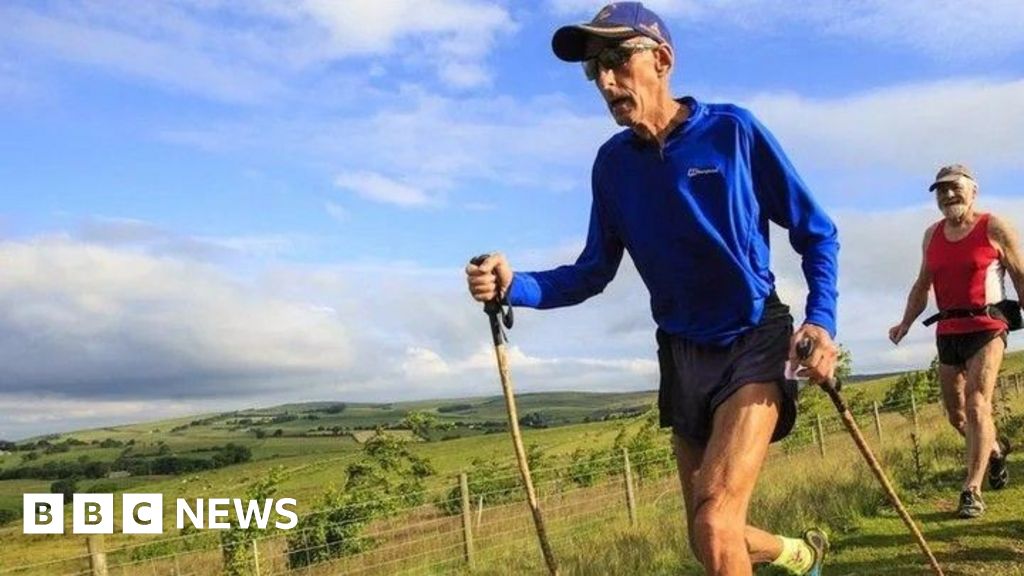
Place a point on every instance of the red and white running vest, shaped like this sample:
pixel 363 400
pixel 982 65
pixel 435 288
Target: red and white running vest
pixel 966 274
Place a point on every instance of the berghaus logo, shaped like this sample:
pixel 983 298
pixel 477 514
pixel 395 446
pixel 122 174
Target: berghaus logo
pixel 702 171
pixel 144 513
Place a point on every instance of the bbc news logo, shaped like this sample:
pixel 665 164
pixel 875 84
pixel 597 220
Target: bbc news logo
pixel 144 513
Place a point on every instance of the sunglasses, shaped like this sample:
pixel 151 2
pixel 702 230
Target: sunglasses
pixel 612 58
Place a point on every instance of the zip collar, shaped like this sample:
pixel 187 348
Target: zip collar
pixel 697 111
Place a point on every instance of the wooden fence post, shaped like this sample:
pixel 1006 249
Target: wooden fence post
pixel 97 557
pixel 630 497
pixel 1016 384
pixel 467 528
pixel 821 435
pixel 255 558
pixel 479 510
pixel 878 421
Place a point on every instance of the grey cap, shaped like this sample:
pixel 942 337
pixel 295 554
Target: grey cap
pixel 951 173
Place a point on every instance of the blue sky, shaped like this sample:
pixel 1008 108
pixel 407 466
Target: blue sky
pixel 210 205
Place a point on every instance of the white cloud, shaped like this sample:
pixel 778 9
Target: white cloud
pixel 374 27
pixel 421 363
pixel 256 52
pixel 24 415
pixel 912 128
pixel 464 75
pixel 154 239
pixel 418 147
pixel 454 34
pixel 175 63
pixel 377 188
pixel 81 319
pixel 945 29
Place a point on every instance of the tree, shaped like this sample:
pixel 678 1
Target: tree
pixel 499 482
pixel 7 515
pixel 534 420
pixel 422 424
pixel 232 453
pixel 586 467
pixel 236 542
pixel 386 467
pixel 67 487
pixel 922 384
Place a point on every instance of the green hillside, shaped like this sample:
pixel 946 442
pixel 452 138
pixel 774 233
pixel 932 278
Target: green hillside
pixel 309 446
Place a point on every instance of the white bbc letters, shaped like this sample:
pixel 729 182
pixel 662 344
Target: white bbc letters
pixel 218 508
pixel 92 514
pixel 142 513
pixel 43 513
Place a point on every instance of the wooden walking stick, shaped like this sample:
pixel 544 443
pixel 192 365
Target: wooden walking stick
pixel 832 387
pixel 500 315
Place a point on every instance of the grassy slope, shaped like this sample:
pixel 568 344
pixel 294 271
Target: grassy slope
pixel 994 545
pixel 991 545
pixel 802 489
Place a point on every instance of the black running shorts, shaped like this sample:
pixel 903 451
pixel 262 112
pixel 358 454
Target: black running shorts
pixel 957 349
pixel 697 378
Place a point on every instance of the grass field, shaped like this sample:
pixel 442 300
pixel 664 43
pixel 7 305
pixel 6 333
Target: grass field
pixel 799 488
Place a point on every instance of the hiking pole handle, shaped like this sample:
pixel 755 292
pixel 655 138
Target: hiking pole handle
pixel 498 310
pixel 831 386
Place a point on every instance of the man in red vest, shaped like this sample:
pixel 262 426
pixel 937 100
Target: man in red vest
pixel 966 256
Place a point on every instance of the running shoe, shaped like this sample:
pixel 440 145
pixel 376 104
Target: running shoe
pixel 998 473
pixel 818 542
pixel 971 505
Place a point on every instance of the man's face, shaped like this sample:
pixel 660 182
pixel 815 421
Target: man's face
pixel 955 198
pixel 630 90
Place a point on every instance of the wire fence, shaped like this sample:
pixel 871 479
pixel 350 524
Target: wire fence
pixel 426 538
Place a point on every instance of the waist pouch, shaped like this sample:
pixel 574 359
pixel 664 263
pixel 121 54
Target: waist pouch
pixel 1007 310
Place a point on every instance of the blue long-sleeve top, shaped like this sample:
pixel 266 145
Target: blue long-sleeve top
pixel 694 216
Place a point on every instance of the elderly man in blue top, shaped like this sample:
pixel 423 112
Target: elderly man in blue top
pixel 689 189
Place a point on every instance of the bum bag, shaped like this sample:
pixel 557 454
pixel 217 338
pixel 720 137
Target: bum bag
pixel 1007 310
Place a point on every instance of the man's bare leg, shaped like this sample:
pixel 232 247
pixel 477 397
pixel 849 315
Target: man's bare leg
pixel 982 373
pixel 761 546
pixel 718 481
pixel 952 383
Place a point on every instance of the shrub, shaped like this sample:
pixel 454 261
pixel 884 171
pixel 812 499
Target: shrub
pixel 7 515
pixel 67 487
pixel 386 466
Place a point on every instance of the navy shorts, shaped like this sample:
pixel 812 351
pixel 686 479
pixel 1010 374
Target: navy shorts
pixel 957 349
pixel 697 378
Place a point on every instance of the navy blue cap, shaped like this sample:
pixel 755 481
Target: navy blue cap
pixel 619 20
